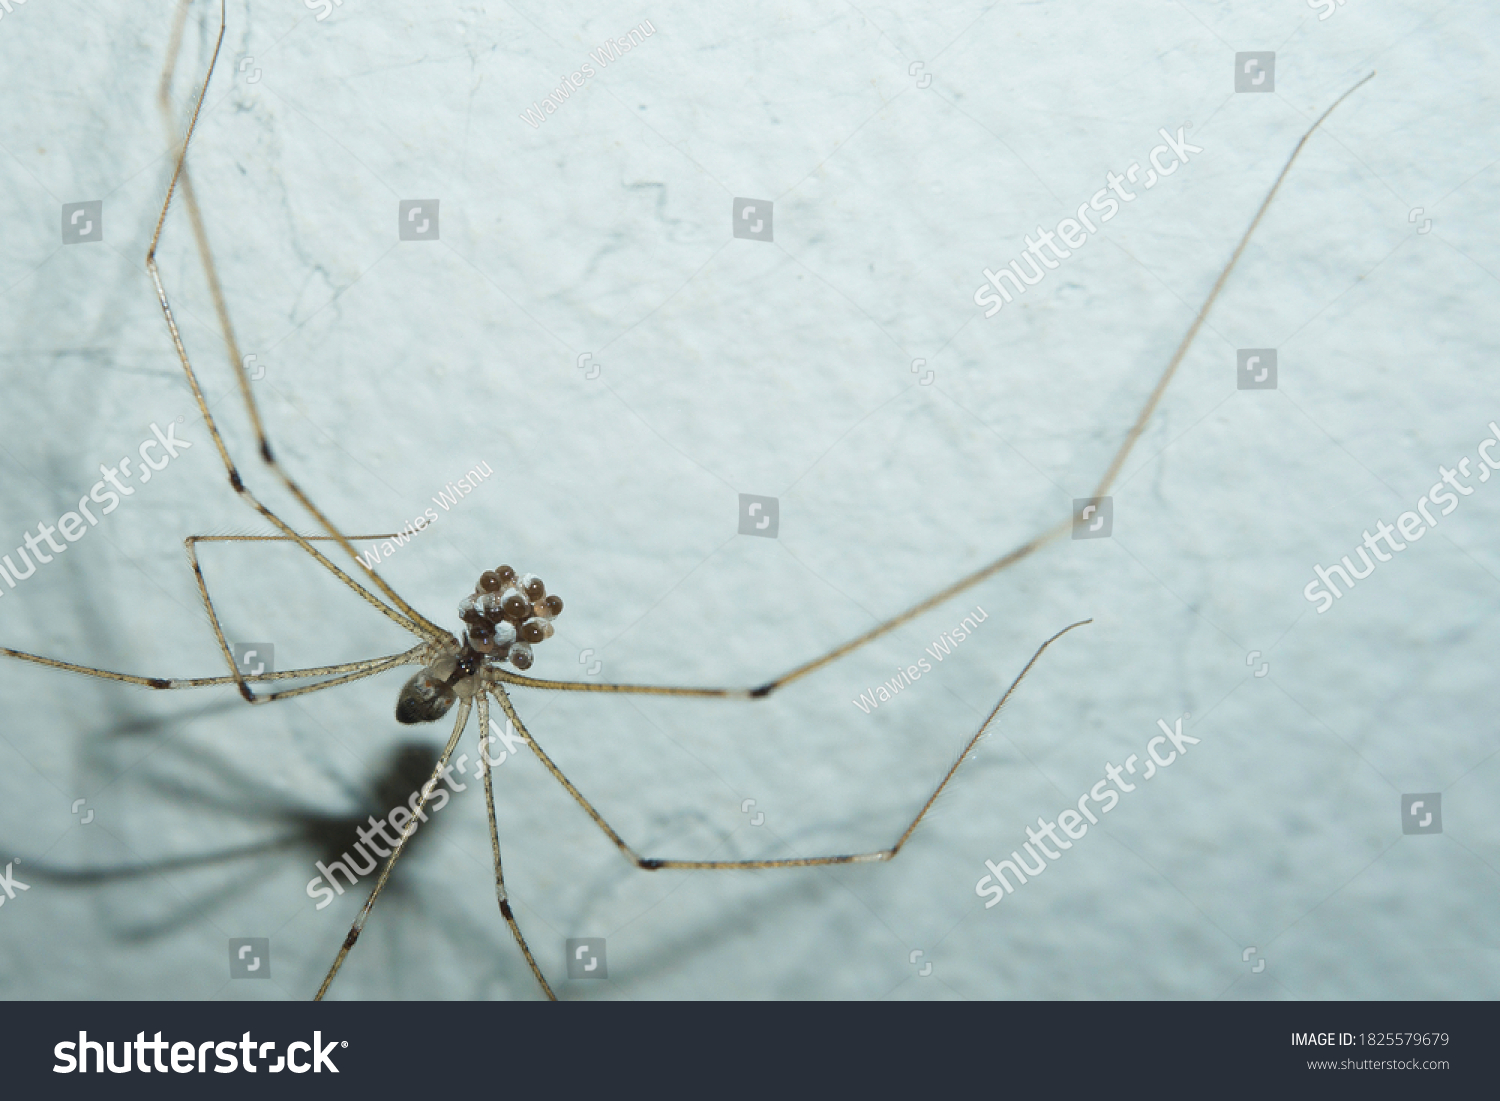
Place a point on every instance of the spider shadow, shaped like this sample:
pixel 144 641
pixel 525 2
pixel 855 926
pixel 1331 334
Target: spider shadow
pixel 206 885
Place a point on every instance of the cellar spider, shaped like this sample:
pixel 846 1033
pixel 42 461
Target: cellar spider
pixel 509 612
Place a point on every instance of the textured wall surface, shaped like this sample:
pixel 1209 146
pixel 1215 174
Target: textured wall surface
pixel 786 368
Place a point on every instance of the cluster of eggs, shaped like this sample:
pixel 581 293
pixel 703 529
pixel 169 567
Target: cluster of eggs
pixel 508 614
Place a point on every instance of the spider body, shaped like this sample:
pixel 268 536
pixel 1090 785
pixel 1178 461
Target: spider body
pixel 504 617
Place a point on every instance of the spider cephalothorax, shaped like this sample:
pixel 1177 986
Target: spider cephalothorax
pixel 504 617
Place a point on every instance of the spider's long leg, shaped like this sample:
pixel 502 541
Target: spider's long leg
pixel 356 669
pixel 500 893
pixel 629 689
pixel 407 616
pixel 1025 550
pixel 213 616
pixel 807 667
pixel 459 723
pixel 362 669
pixel 651 864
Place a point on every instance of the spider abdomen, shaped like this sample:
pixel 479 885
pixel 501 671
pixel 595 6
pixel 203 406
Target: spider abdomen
pixel 425 698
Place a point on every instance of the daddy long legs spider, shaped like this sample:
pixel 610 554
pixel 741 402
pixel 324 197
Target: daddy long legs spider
pixel 335 553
